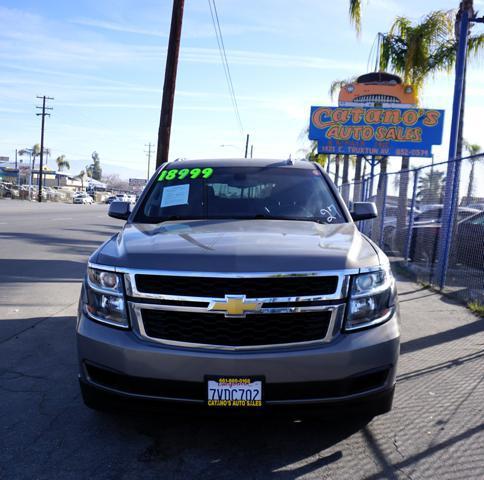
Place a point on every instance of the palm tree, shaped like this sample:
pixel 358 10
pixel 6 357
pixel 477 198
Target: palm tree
pixel 355 14
pixel 337 162
pixel 81 176
pixel 94 170
pixel 62 163
pixel 312 154
pixel 337 85
pixel 473 149
pixel 417 52
pixel 431 187
pixel 35 152
pixel 357 179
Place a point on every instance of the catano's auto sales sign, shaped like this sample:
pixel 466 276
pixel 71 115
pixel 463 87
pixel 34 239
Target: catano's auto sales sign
pixel 376 131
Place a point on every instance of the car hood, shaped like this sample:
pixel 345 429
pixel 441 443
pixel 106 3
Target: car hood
pixel 238 246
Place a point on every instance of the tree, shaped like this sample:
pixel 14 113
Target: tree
pixel 345 190
pixel 357 179
pixel 430 187
pixel 473 149
pixel 355 14
pixel 62 163
pixel 337 85
pixel 337 161
pixel 94 170
pixel 115 182
pixel 418 51
pixel 81 176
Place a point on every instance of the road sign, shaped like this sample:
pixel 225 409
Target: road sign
pixel 137 182
pixel 376 131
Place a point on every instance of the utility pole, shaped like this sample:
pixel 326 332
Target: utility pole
pixel 252 151
pixel 166 114
pixel 43 115
pixel 148 153
pixel 246 146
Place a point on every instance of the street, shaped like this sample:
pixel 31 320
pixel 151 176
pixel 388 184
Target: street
pixel 435 429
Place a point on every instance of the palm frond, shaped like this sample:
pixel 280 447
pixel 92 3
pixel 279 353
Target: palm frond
pixel 355 14
pixel 337 85
pixel 417 51
pixel 475 46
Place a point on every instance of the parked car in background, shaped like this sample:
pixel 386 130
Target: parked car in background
pixel 434 215
pixel 121 197
pixel 465 246
pixel 110 199
pixel 429 206
pixel 467 250
pixel 82 198
pixel 390 226
pixel 478 206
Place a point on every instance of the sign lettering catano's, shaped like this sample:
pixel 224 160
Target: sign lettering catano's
pixel 377 131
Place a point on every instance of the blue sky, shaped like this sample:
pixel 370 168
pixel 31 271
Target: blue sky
pixel 103 61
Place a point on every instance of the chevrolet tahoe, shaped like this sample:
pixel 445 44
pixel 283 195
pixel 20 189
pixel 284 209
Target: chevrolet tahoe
pixel 239 285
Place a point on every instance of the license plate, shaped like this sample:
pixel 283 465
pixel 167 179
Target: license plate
pixel 235 392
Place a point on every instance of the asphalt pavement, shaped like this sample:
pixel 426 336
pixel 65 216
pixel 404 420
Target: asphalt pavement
pixel 435 430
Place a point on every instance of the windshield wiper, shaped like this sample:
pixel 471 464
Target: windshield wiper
pixel 177 217
pixel 261 216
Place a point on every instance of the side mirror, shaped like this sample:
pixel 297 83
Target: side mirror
pixel 363 211
pixel 119 210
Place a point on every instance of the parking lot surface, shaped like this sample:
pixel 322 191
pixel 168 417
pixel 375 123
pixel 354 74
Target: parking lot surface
pixel 434 431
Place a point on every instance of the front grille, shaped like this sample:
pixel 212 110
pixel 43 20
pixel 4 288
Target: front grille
pixel 252 330
pixel 218 287
pixel 273 391
pixel 376 98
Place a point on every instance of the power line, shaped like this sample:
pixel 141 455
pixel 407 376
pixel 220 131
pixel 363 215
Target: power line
pixel 43 115
pixel 225 63
pixel 148 154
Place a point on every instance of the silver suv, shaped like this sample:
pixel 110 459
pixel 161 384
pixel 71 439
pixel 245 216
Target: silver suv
pixel 239 284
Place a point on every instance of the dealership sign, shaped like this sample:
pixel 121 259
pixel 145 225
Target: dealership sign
pixel 137 182
pixel 376 131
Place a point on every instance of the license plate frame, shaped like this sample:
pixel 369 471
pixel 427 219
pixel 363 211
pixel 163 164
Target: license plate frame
pixel 234 391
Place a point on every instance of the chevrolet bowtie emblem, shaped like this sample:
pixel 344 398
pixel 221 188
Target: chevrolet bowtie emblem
pixel 234 306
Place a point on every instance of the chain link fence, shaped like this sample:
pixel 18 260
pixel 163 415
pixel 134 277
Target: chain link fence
pixel 410 226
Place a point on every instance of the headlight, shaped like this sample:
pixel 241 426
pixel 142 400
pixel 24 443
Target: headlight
pixel 350 88
pixel 101 279
pixel 105 298
pixel 408 89
pixel 372 300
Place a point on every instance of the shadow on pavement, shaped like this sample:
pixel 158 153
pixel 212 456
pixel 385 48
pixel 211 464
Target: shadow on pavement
pixel 442 337
pixel 19 270
pixel 220 445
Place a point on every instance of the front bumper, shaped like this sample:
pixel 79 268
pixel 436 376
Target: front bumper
pixel 350 368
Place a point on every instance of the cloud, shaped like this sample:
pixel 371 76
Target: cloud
pixel 117 27
pixel 191 29
pixel 51 43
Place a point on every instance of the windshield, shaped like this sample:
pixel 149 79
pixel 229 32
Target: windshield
pixel 240 192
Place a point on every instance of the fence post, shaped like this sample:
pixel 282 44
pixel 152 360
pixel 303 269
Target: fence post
pixel 383 210
pixel 408 241
pixel 363 189
pixel 372 175
pixel 450 202
pixel 361 223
